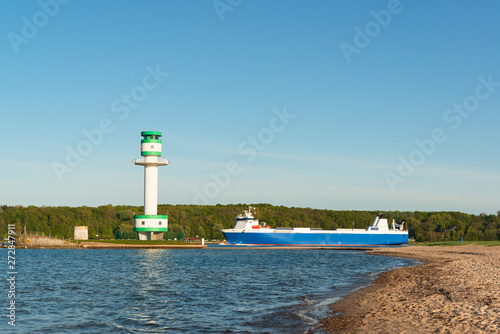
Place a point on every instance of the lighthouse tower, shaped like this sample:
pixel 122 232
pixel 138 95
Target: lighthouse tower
pixel 150 225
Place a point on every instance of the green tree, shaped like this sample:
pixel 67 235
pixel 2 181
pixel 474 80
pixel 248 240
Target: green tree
pixel 126 227
pixel 126 215
pixel 200 232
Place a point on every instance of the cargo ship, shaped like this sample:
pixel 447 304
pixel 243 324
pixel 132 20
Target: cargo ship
pixel 248 231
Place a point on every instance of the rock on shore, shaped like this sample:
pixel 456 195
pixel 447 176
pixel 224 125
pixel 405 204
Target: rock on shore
pixel 456 290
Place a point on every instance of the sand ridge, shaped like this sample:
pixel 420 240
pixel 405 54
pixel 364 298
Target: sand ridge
pixel 456 290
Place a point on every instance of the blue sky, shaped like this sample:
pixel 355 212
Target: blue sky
pixel 316 104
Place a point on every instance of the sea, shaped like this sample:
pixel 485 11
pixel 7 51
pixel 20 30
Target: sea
pixel 213 290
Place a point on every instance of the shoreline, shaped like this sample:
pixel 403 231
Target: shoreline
pixel 455 290
pixel 101 245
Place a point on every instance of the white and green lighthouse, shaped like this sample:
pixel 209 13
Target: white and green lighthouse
pixel 150 225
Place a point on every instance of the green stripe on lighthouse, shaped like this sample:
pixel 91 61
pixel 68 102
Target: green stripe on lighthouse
pixel 151 229
pixel 158 153
pixel 150 217
pixel 150 133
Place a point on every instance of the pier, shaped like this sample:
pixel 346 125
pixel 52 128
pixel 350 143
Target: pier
pixel 100 245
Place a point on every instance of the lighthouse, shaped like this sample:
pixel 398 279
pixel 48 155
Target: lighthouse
pixel 150 225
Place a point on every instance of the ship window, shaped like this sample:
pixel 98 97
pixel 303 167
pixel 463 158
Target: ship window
pixel 152 146
pixel 143 222
pixel 159 223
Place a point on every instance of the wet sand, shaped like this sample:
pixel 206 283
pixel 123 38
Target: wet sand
pixel 456 290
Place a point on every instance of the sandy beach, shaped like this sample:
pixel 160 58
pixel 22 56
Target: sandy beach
pixel 456 290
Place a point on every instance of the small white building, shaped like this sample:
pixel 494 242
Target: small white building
pixel 81 233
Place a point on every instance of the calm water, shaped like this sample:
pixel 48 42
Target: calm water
pixel 183 291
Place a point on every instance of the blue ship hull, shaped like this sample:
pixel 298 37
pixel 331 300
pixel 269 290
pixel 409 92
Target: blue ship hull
pixel 316 239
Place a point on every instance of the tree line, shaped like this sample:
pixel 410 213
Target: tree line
pixel 206 221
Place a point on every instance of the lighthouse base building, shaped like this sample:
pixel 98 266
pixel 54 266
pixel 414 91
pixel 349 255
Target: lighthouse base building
pixel 151 225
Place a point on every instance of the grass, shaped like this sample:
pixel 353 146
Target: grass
pixel 457 243
pixel 141 242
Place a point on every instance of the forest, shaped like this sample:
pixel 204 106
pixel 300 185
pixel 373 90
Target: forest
pixel 207 221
